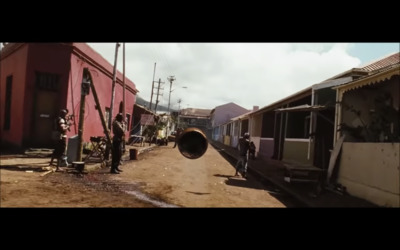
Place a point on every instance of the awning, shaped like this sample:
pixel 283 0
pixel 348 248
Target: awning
pixel 380 76
pixel 304 107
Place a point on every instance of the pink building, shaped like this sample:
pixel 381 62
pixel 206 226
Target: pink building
pixel 39 79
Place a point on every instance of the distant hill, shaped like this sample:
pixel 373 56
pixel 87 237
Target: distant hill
pixel 143 102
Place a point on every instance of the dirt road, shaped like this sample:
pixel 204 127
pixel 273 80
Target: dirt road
pixel 161 177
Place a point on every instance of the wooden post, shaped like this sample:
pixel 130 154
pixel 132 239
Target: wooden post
pixel 113 86
pixel 87 80
pixel 152 86
pixel 123 98
pixel 82 115
pixel 102 118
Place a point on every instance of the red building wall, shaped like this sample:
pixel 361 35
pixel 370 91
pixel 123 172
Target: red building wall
pixel 13 64
pixel 46 58
pixel 68 61
pixel 101 72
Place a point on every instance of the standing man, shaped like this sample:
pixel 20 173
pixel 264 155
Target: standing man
pixel 244 146
pixel 178 133
pixel 61 145
pixel 118 130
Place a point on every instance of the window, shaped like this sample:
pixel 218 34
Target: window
pixel 298 125
pixel 7 111
pixel 48 82
pixel 268 125
pixel 228 129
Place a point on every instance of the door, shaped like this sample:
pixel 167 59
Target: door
pixel 45 111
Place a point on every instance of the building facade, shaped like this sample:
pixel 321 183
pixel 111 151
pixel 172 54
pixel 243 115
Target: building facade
pixel 39 79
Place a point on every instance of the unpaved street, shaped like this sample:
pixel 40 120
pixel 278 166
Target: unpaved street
pixel 205 182
pixel 161 177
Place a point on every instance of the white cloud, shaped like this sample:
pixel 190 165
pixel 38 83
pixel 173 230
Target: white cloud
pixel 216 73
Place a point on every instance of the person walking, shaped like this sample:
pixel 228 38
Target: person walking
pixel 252 151
pixel 118 131
pixel 178 133
pixel 62 126
pixel 241 164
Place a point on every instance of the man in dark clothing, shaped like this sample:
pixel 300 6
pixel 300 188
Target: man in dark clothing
pixel 252 151
pixel 244 146
pixel 118 128
pixel 62 126
pixel 178 133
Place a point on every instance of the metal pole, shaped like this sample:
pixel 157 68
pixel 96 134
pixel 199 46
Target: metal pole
pixel 113 86
pixel 152 86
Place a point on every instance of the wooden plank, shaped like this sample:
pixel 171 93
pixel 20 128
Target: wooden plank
pixel 48 172
pixel 334 156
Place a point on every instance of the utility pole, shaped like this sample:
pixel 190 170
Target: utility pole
pixel 179 103
pixel 85 86
pixel 179 109
pixel 170 79
pixel 123 81
pixel 152 86
pixel 158 93
pixel 123 97
pixel 113 85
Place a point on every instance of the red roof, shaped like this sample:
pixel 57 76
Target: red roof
pixel 382 63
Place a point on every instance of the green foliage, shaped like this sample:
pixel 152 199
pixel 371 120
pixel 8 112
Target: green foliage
pixel 151 130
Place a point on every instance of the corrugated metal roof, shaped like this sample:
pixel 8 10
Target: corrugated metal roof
pixel 332 83
pixel 294 97
pixel 144 108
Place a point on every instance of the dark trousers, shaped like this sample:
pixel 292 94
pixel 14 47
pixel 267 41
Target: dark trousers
pixel 59 151
pixel 176 141
pixel 241 164
pixel 116 153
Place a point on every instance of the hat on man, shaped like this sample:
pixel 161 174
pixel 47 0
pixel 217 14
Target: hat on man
pixel 64 111
pixel 119 117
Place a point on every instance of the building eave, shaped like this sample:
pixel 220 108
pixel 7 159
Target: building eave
pixel 81 54
pixel 380 76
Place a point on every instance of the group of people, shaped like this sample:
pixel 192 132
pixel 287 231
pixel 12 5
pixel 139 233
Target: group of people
pixel 62 126
pixel 246 147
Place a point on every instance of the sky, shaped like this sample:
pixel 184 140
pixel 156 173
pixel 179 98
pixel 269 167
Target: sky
pixel 248 74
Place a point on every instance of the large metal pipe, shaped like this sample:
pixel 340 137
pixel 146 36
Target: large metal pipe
pixel 192 143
